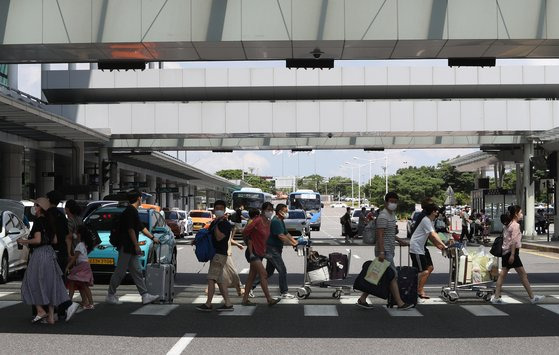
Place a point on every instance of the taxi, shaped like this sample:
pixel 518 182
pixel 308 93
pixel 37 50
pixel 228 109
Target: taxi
pixel 200 218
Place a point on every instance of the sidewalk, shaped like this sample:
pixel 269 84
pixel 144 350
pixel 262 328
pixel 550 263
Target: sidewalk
pixel 540 243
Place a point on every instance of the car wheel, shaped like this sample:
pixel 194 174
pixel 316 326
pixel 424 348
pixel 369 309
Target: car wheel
pixel 4 269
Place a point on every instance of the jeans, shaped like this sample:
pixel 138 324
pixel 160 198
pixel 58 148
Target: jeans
pixel 131 263
pixel 275 262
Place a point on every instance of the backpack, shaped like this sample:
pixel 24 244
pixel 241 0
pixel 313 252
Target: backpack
pixel 114 237
pixel 497 247
pixel 370 233
pixel 203 245
pixel 94 236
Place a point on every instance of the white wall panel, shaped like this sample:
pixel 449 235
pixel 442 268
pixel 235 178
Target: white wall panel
pixel 284 117
pixel 239 77
pixel 376 76
pixel 489 76
pixel 353 76
pixel 236 114
pixel 123 79
pixel 331 117
pixel 398 75
pixel 425 116
pixel 97 116
pixel 401 116
pixel 75 112
pixel 120 118
pixel 511 75
pixel 421 76
pixel 143 118
pixel 166 117
pixel 541 115
pixel 448 116
pixel 534 74
pixel 307 77
pixel 378 116
pixel 552 74
pixel 170 78
pixel 190 118
pixel 308 116
pixel 58 79
pixel 555 112
pixel 331 77
pixel 285 77
pixel 149 78
pixel 518 115
pixel 194 77
pixel 443 76
pixel 355 116
pixel 262 76
pixel 471 115
pixel 495 115
pixel 213 117
pixel 466 76
pixel 260 117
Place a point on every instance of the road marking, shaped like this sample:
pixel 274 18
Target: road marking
pixel 155 310
pixel 484 311
pixel 2 294
pixel 320 311
pixel 244 271
pixel 203 299
pixel 431 301
pixel 240 311
pixel 510 300
pixel 180 248
pixel 540 254
pixel 131 297
pixel 5 304
pixel 395 312
pixel 550 307
pixel 349 299
pixel 183 342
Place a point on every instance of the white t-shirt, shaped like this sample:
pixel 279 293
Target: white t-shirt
pixel 83 253
pixel 419 237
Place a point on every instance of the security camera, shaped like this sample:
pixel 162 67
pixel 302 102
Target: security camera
pixel 330 135
pixel 317 53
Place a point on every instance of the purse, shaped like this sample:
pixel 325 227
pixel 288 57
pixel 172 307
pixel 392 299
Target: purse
pixel 497 247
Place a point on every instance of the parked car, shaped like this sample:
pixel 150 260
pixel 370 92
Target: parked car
pixel 172 218
pixel 355 214
pixel 410 223
pixel 104 257
pixel 27 206
pixel 186 221
pixel 297 223
pixel 200 218
pixel 93 205
pixel 338 205
pixel 12 257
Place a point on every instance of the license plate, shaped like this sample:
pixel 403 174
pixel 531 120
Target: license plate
pixel 102 261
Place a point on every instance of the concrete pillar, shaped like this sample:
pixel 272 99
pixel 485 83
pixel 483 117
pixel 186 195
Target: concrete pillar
pixel 170 197
pixel 556 218
pixel 184 197
pixel 78 165
pixel 10 175
pixel 529 191
pixel 163 196
pixel 13 76
pixel 519 185
pixel 103 186
pixel 126 177
pixel 45 164
pixel 152 189
pixel 115 178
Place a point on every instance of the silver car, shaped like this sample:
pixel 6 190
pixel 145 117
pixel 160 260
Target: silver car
pixel 297 223
pixel 13 257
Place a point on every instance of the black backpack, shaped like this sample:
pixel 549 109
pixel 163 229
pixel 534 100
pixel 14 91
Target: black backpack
pixel 114 237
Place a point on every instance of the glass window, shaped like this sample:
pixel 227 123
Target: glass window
pixel 296 215
pixel 171 215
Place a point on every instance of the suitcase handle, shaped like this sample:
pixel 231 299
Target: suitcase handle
pixel 155 258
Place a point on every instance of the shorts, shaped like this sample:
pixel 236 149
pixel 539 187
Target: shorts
pixel 421 261
pixel 238 226
pixel 217 265
pixel 517 262
pixel 252 258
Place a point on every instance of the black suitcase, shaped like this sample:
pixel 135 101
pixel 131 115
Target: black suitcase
pixel 339 266
pixel 382 290
pixel 407 284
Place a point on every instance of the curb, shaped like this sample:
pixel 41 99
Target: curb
pixel 539 247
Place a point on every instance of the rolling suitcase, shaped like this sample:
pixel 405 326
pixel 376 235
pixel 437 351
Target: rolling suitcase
pixel 381 290
pixel 160 280
pixel 339 266
pixel 407 284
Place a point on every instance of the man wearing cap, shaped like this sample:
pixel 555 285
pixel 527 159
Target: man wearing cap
pixel 465 224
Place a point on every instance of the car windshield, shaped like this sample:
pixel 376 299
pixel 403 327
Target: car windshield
pixel 296 215
pixel 200 214
pixel 27 213
pixel 357 213
pixel 307 202
pixel 102 220
pixel 171 215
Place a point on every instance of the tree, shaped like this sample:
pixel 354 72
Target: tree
pixel 252 180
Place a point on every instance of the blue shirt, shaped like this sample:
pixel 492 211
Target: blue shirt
pixel 277 227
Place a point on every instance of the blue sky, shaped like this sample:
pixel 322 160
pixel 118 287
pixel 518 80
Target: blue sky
pixel 322 162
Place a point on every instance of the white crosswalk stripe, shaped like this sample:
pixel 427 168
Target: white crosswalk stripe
pixel 4 304
pixel 320 311
pixel 245 311
pixel 551 307
pixel 395 312
pixel 484 310
pixel 155 310
pixel 2 294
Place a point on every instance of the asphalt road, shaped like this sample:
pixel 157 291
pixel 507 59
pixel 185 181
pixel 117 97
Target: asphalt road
pixel 319 324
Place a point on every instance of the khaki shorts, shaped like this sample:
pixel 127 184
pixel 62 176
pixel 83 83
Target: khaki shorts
pixel 217 265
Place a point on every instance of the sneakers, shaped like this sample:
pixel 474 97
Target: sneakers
pixel 112 299
pixel 273 302
pixel 405 307
pixel 364 305
pixel 225 308
pixel 251 294
pixel 537 299
pixel 71 311
pixel 204 308
pixel 148 298
pixel 496 300
pixel 287 296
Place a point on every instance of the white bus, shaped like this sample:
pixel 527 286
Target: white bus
pixel 250 198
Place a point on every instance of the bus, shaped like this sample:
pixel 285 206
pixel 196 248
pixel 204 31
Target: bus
pixel 250 198
pixel 309 201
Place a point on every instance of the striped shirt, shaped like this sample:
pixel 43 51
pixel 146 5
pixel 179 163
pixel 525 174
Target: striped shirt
pixel 387 221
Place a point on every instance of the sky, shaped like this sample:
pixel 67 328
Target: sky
pixel 323 162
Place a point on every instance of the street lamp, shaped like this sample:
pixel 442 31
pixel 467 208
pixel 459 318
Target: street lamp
pixel 351 167
pixel 359 182
pixel 371 162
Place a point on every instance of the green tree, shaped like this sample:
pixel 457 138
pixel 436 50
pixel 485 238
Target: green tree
pixel 252 180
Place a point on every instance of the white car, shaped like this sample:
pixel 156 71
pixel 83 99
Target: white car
pixel 12 257
pixel 186 221
pixel 338 205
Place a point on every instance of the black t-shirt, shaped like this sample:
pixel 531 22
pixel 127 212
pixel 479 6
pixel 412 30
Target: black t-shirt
pixel 237 217
pixel 129 219
pixel 60 229
pixel 221 246
pixel 41 225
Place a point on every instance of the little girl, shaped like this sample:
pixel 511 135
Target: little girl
pixel 80 275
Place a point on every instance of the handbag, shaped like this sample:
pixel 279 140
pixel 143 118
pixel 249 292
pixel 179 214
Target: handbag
pixel 497 247
pixel 376 270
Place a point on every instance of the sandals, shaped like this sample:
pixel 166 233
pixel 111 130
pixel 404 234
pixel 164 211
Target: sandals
pixel 39 318
pixel 424 297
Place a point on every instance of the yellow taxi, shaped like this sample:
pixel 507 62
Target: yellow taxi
pixel 200 218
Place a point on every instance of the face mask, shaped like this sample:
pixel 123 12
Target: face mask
pixel 285 215
pixel 269 214
pixel 219 213
pixel 75 236
pixel 392 206
pixel 33 211
pixel 520 216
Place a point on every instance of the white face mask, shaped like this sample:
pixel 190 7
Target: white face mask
pixel 392 206
pixel 33 211
pixel 285 215
pixel 219 213
pixel 269 214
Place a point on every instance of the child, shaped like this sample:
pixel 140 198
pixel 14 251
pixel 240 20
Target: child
pixel 80 275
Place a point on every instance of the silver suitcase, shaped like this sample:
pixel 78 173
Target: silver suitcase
pixel 160 280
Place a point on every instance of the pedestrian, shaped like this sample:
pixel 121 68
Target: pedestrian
pixel 385 248
pixel 238 218
pixel 541 227
pixel 42 284
pixel 274 248
pixel 345 220
pixel 74 221
pixel 58 220
pixel 256 235
pixel 220 230
pixel 419 216
pixel 230 275
pixel 129 251
pixel 512 242
pixel 80 276
pixel 362 221
pixel 465 216
pixel 420 256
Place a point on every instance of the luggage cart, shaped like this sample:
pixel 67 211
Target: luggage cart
pixel 305 290
pixel 452 292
